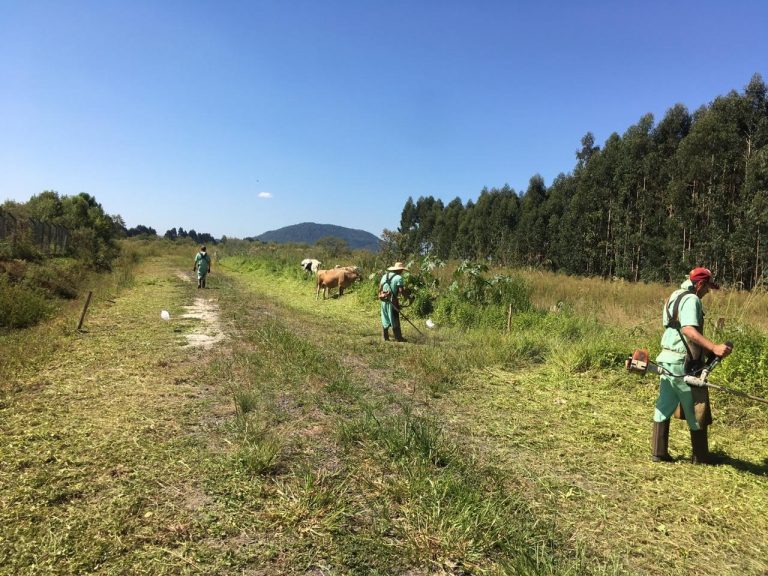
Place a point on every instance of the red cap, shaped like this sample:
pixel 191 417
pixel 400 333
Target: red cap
pixel 699 274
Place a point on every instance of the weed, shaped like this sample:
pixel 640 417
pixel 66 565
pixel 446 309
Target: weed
pixel 259 457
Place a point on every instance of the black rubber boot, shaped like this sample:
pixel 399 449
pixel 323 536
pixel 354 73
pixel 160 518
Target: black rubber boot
pixel 699 446
pixel 398 334
pixel 385 333
pixel 660 442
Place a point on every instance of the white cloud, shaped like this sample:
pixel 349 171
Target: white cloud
pixel 265 194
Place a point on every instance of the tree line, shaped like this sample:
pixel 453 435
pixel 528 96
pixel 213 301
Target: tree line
pixel 91 233
pixel 649 204
pixel 197 237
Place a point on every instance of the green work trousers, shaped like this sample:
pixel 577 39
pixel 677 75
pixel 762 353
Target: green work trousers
pixel 673 391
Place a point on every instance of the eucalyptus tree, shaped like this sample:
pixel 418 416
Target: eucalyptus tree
pixel 634 183
pixel 464 245
pixel 755 209
pixel 409 227
pixel 532 240
pixel 447 229
pixel 663 219
pixel 560 194
pixel 429 211
pixel 503 222
pixel 710 182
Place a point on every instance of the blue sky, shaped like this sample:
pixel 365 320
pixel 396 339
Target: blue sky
pixel 238 117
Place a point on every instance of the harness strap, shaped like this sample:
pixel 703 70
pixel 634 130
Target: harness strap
pixel 674 321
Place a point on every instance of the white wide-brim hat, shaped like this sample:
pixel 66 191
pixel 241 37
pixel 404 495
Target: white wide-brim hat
pixel 397 266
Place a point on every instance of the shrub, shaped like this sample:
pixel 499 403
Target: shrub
pixel 58 278
pixel 475 301
pixel 746 369
pixel 20 306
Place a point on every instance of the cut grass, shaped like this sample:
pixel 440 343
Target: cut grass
pixel 578 444
pixel 302 444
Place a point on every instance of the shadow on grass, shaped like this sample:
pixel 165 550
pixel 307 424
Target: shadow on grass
pixel 720 459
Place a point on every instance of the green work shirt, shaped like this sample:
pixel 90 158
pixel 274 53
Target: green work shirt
pixel 203 263
pixel 391 281
pixel 690 313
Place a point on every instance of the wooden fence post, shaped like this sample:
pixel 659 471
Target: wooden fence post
pixel 82 314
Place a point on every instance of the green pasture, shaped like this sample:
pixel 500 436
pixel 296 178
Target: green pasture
pixel 303 444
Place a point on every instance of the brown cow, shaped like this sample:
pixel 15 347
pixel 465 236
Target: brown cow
pixel 336 278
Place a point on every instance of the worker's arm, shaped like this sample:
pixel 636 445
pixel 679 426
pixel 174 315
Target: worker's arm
pixel 696 337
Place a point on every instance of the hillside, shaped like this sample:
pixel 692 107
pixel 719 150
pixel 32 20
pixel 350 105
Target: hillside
pixel 310 232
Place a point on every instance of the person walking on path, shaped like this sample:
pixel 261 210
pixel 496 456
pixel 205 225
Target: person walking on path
pixel 682 351
pixel 202 265
pixel 391 287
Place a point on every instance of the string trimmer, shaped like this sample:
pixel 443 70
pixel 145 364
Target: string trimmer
pixel 400 311
pixel 639 363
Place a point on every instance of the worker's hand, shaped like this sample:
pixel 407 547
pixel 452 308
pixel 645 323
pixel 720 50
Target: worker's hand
pixel 721 350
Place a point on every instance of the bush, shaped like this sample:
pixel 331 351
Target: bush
pixel 473 301
pixel 57 278
pixel 746 369
pixel 20 306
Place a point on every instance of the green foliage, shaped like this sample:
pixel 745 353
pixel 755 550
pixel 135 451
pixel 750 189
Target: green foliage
pixel 473 300
pixel 746 368
pixel 334 247
pixel 59 277
pixel 91 232
pixel 21 307
pixel 423 286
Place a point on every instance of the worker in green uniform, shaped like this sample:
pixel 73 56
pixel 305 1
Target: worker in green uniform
pixel 683 346
pixel 391 287
pixel 202 265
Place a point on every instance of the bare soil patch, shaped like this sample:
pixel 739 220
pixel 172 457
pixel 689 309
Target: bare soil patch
pixel 209 332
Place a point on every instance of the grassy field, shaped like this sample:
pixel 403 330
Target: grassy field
pixel 302 444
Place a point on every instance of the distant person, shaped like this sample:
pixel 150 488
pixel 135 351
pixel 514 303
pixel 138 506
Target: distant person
pixel 682 351
pixel 391 287
pixel 202 265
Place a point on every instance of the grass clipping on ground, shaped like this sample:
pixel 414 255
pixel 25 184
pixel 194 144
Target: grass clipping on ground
pixel 581 443
pixel 303 444
pixel 574 436
pixel 97 460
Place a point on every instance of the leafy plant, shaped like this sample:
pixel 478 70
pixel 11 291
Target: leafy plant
pixel 20 306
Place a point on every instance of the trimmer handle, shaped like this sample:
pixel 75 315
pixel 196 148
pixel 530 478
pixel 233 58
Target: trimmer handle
pixel 714 362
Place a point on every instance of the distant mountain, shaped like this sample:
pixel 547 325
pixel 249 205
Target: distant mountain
pixel 309 233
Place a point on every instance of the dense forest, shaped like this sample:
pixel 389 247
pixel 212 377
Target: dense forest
pixel 649 205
